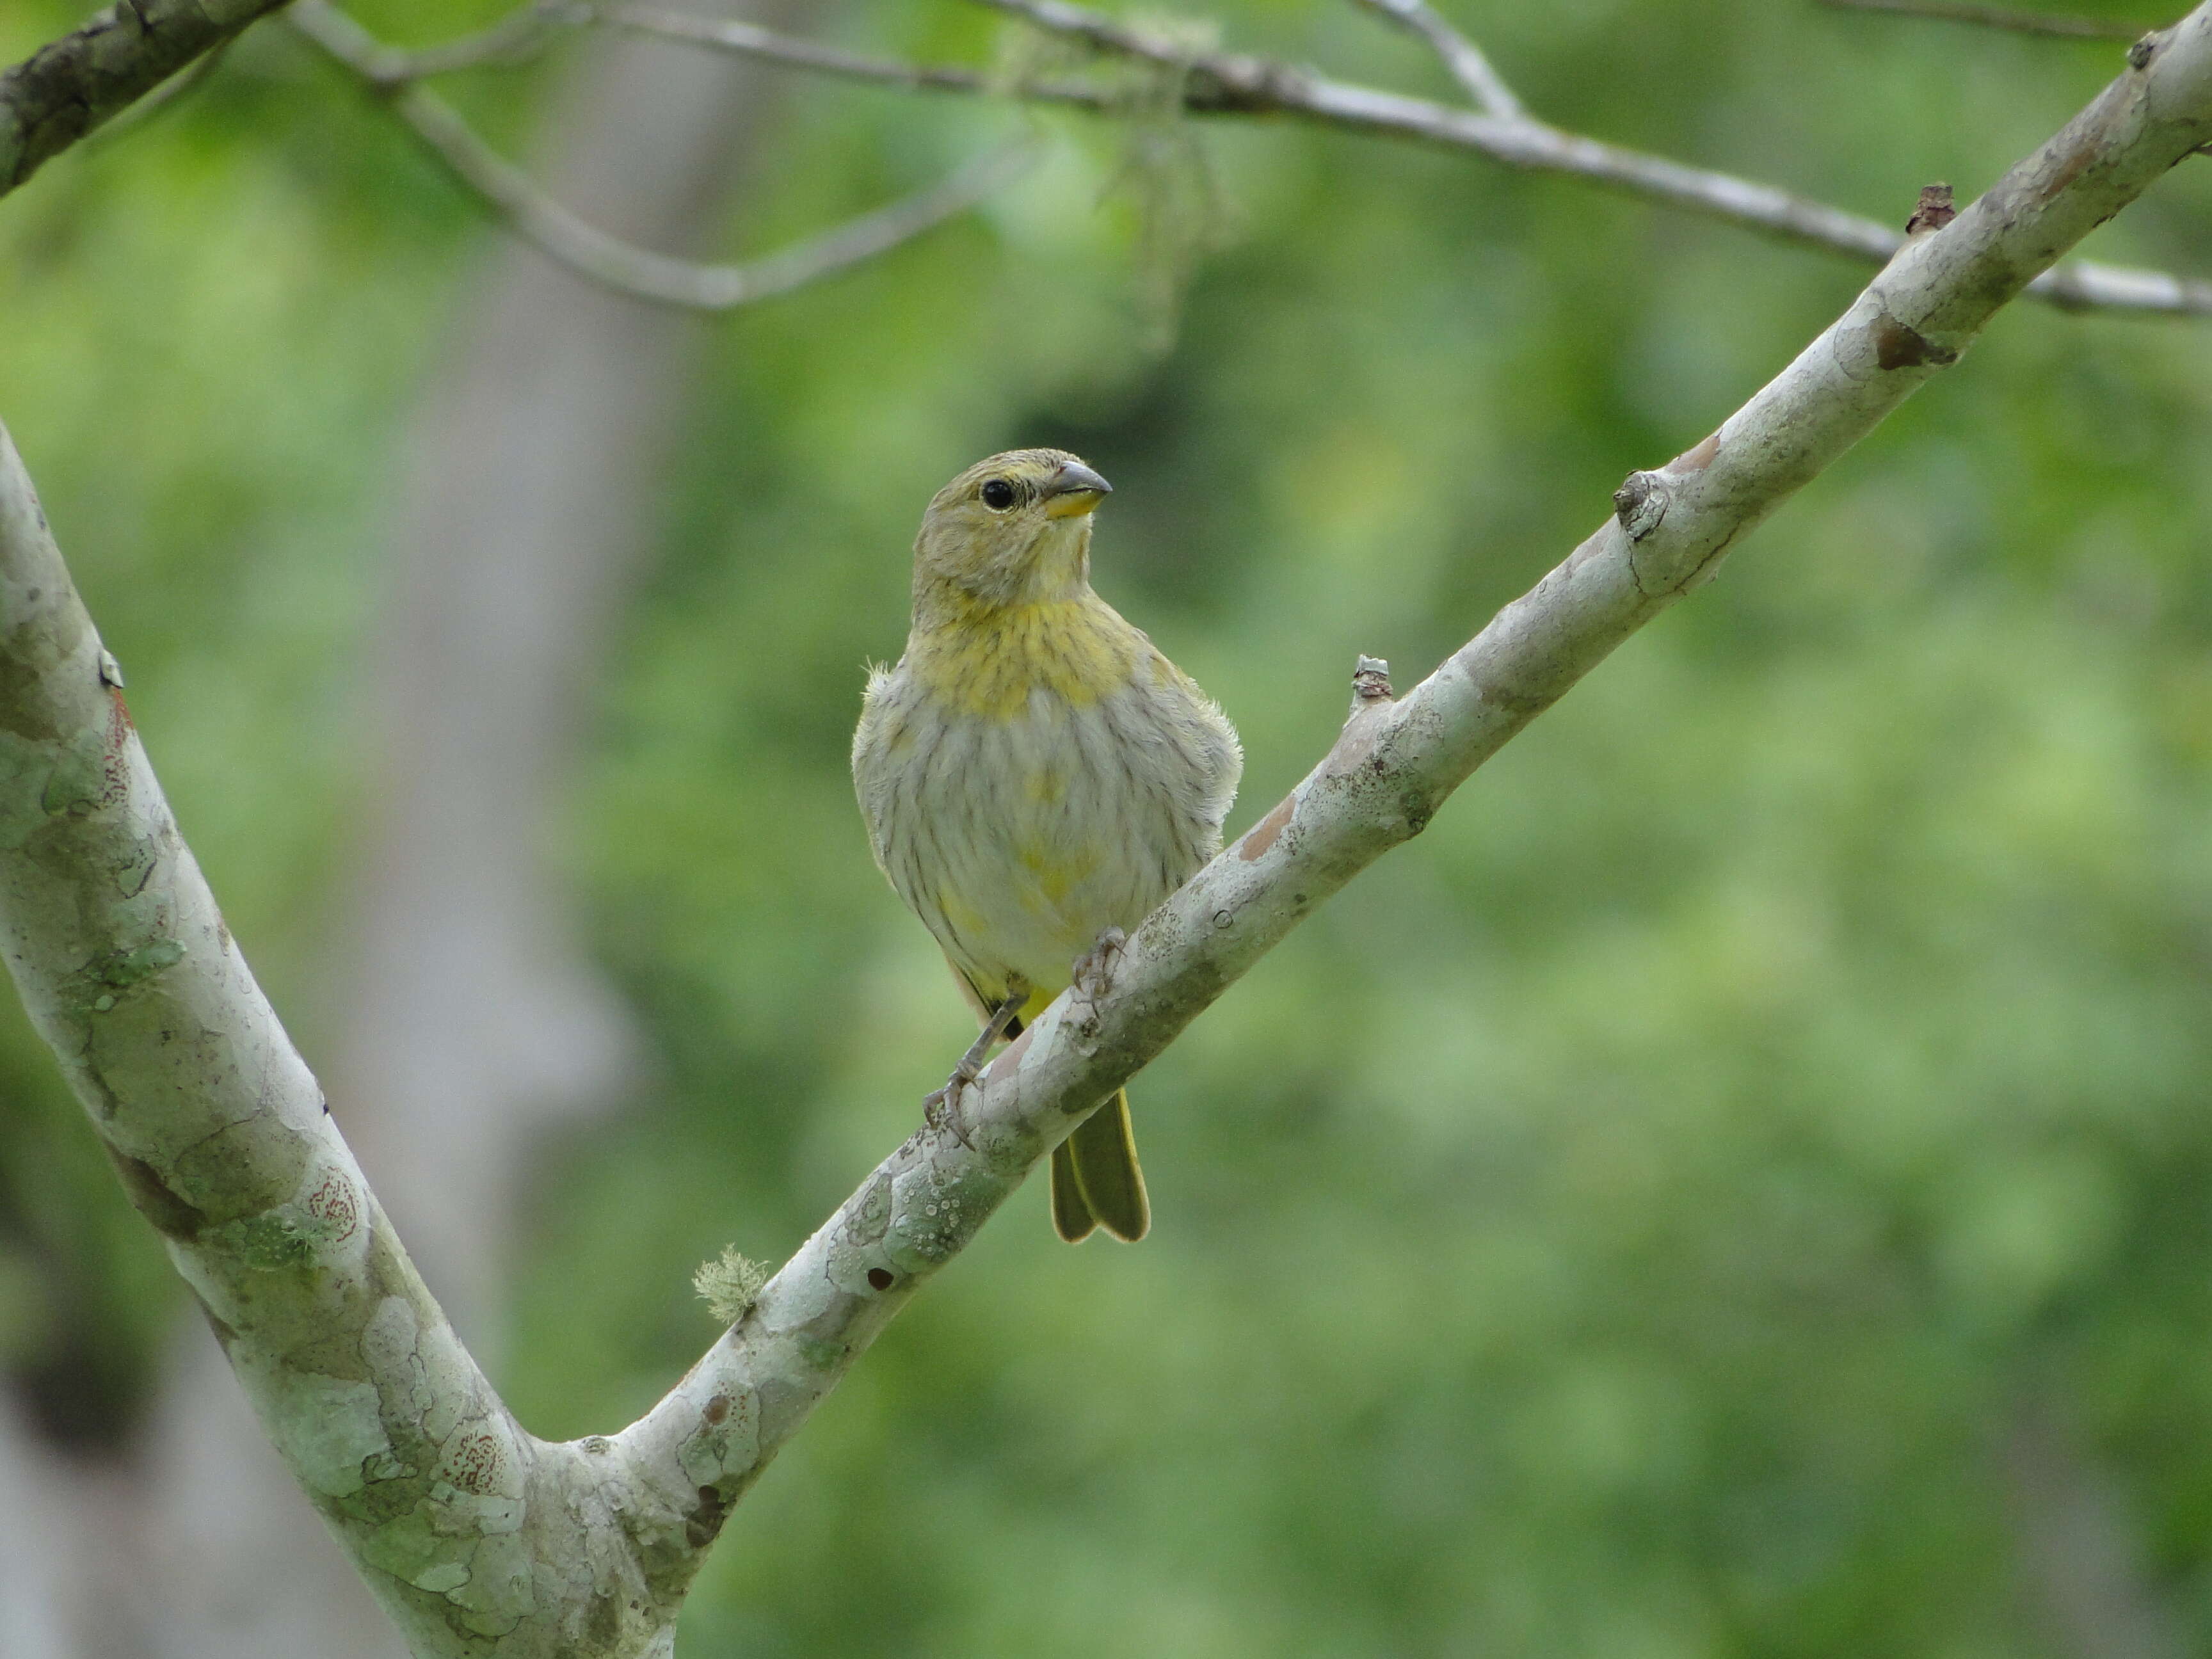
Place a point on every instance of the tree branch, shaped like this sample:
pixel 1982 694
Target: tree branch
pixel 751 40
pixel 1218 83
pixel 522 33
pixel 1466 61
pixel 66 89
pixel 545 221
pixel 219 1133
pixel 1237 83
pixel 171 92
pixel 1393 766
pixel 1997 17
pixel 469 1528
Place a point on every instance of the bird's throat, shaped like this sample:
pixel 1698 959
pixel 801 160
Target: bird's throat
pixel 990 660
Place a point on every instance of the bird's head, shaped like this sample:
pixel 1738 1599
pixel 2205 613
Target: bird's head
pixel 1012 530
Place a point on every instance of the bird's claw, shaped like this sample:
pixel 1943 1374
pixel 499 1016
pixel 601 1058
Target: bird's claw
pixel 940 1107
pixel 1093 972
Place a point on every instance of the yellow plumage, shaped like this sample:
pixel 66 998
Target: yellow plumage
pixel 1033 772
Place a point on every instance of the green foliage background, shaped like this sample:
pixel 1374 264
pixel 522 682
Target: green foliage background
pixel 1641 1217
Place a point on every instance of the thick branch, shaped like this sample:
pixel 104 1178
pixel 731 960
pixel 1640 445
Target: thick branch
pixel 460 1521
pixel 213 1122
pixel 64 89
pixel 467 1528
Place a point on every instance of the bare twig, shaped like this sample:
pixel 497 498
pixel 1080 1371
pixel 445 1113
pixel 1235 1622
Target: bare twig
pixel 1469 67
pixel 750 41
pixel 1218 83
pixel 622 265
pixel 1214 83
pixel 1224 85
pixel 534 214
pixel 72 86
pixel 514 38
pixel 1999 17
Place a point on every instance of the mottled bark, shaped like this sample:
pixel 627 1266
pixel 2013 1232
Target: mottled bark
pixel 469 1019
pixel 69 86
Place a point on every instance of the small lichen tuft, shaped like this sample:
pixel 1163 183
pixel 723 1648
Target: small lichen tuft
pixel 731 1284
pixel 1179 208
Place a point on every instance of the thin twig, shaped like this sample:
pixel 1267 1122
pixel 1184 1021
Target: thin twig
pixel 1223 83
pixel 1228 84
pixel 750 41
pixel 1998 17
pixel 584 247
pixel 521 34
pixel 548 224
pixel 1466 61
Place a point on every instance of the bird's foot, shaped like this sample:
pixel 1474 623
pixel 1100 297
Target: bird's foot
pixel 1093 973
pixel 940 1109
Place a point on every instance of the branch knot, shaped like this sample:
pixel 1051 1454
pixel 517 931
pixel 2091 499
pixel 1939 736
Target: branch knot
pixel 1640 504
pixel 1935 210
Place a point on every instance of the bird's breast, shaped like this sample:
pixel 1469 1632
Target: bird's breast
pixel 1019 837
pixel 1034 775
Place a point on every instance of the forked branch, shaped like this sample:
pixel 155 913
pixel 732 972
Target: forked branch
pixel 1238 83
pixel 543 219
pixel 470 1529
pixel 1465 60
pixel 1212 83
pixel 519 36
pixel 70 87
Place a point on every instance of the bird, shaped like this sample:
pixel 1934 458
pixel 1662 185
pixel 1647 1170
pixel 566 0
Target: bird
pixel 1036 777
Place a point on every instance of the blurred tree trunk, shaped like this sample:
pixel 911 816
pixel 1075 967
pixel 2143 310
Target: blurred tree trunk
pixel 2086 1571
pixel 470 1019
pixel 58 1519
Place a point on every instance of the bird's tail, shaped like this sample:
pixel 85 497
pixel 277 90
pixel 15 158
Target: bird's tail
pixel 1095 1182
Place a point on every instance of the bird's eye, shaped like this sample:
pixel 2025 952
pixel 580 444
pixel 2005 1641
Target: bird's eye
pixel 997 494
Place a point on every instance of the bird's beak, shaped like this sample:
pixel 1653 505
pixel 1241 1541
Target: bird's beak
pixel 1073 491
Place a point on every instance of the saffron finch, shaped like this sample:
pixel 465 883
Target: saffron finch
pixel 1037 776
